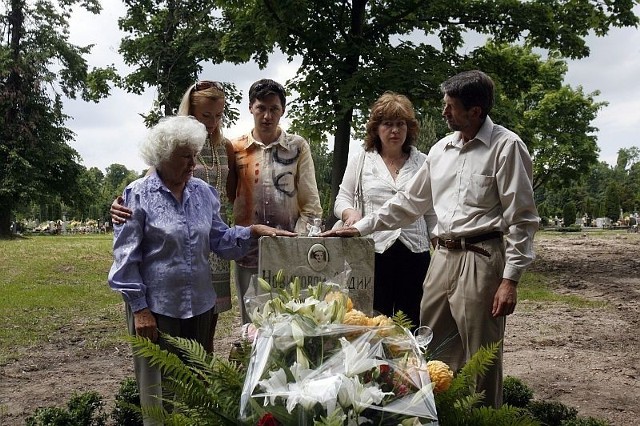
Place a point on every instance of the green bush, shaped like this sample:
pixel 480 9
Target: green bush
pixel 551 413
pixel 127 404
pixel 569 214
pixel 572 228
pixel 516 393
pixel 86 409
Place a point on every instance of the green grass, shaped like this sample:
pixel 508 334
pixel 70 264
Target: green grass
pixel 54 290
pixel 535 287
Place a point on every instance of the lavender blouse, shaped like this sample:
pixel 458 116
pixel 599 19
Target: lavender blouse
pixel 161 253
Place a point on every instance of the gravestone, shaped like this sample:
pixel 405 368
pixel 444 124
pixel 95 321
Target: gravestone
pixel 345 261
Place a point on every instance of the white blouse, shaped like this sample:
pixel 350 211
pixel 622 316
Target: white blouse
pixel 378 187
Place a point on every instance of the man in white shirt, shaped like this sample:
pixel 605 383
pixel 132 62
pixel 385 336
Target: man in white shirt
pixel 474 187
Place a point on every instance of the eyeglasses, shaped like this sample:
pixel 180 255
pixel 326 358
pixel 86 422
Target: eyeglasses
pixel 207 84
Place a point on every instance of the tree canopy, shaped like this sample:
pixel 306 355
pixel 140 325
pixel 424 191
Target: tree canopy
pixel 353 51
pixel 167 41
pixel 38 67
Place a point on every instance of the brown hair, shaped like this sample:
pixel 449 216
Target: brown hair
pixel 391 106
pixel 193 97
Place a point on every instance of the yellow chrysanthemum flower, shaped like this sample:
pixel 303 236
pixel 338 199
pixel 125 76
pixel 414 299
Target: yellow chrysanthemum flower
pixel 440 375
pixel 349 304
pixel 336 295
pixel 355 317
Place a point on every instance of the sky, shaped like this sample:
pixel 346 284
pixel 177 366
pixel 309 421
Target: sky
pixel 109 132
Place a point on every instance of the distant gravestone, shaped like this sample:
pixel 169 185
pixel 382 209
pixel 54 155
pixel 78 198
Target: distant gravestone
pixel 346 261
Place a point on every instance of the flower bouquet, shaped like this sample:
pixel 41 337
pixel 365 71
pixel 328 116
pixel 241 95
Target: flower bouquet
pixel 317 360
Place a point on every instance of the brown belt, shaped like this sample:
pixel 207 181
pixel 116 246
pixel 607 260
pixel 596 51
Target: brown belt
pixel 468 243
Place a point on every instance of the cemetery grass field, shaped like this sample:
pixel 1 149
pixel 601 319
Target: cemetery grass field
pixel 573 338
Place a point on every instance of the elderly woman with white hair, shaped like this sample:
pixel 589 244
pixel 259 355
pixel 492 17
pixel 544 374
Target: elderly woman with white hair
pixel 161 253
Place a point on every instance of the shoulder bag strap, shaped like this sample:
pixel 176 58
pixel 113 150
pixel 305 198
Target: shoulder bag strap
pixel 358 202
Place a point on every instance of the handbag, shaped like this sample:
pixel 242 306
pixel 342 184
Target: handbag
pixel 358 202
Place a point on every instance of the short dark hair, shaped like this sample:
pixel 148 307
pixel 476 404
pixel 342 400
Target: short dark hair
pixel 473 88
pixel 265 87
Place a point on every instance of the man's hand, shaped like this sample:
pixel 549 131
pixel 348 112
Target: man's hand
pixel 146 325
pixel 268 231
pixel 119 213
pixel 434 242
pixel 341 232
pixel 505 299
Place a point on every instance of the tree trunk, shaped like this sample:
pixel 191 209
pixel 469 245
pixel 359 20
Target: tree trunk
pixel 5 218
pixel 340 155
pixel 343 126
pixel 12 91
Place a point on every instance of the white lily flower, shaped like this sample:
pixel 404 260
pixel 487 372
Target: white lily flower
pixel 302 308
pixel 324 312
pixel 308 393
pixel 300 372
pixel 354 394
pixel 276 385
pixel 357 357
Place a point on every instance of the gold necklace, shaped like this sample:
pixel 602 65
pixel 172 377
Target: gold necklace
pixel 393 164
pixel 215 166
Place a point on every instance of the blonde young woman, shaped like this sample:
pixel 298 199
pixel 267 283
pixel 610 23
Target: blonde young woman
pixel 388 163
pixel 205 100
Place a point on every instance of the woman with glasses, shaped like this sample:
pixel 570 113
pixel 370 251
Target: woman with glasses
pixel 388 163
pixel 205 100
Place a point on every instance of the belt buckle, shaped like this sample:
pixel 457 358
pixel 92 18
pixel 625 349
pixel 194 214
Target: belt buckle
pixel 450 244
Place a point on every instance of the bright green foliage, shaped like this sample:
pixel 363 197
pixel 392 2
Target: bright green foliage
pixel 460 404
pixel 515 392
pixel 86 409
pixel 206 388
pixel 401 319
pixel 126 411
pixel 167 42
pixel 353 51
pixel 38 67
pixel 551 412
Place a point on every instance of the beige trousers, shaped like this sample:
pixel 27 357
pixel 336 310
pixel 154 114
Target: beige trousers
pixel 456 303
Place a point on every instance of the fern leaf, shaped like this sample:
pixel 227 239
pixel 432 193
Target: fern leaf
pixel 401 319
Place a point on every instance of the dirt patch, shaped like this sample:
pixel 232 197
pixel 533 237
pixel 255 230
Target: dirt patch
pixel 585 357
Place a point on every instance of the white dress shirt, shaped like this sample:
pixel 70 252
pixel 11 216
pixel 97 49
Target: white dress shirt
pixel 378 187
pixel 471 189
